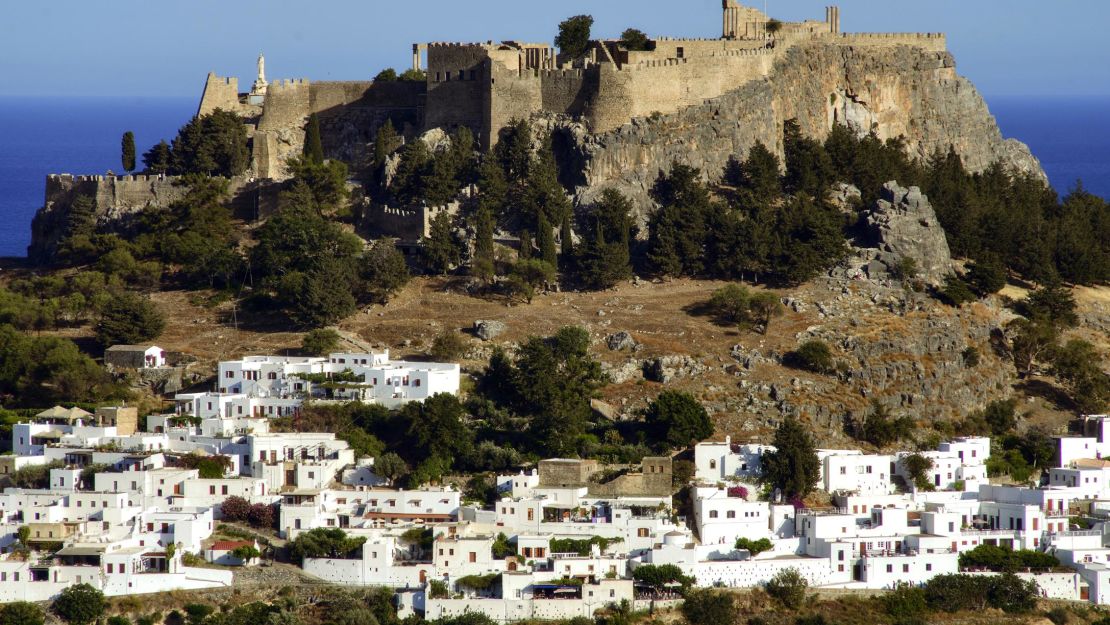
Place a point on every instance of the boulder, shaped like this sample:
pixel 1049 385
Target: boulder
pixel 903 224
pixel 488 330
pixel 620 341
pixel 666 368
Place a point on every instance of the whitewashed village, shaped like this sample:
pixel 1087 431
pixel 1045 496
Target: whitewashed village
pixel 124 513
pixel 772 328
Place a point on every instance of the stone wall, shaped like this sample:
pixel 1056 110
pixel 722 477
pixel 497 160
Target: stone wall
pixel 671 84
pixel 459 80
pixel 117 200
pixel 115 197
pixel 350 113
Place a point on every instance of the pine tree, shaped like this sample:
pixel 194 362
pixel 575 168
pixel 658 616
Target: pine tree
pixel 525 252
pixel 157 160
pixel 313 146
pixel 128 149
pixel 546 238
pixel 440 248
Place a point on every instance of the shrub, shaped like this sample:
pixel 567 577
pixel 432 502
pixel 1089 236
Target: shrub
pixel 904 601
pixel 21 613
pixel 80 605
pixel 437 589
pixel 755 547
pixel 448 346
pixel 323 543
pixel 955 291
pixel 788 587
pixel 815 356
pixel 320 342
pixel 1010 593
pixel 1002 559
pixel 660 575
pixel 246 553
pixel 1058 615
pixel 261 515
pixel 956 592
pixel 235 508
pixel 971 357
pixel 197 612
pixel 710 607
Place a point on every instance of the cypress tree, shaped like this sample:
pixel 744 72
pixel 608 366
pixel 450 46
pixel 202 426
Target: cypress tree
pixel 483 244
pixel 546 238
pixel 128 149
pixel 313 146
pixel 566 244
pixel 793 467
pixel 525 245
pixel 384 143
pixel 492 186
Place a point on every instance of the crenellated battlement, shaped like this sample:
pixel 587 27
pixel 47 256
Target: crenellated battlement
pixel 71 178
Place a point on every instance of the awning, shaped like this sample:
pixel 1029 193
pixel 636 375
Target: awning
pixel 80 551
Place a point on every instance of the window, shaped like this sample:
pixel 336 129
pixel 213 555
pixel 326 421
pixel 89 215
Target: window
pixel 712 514
pixel 223 489
pixel 712 464
pixel 905 568
pixel 844 470
pixel 229 374
pixel 642 532
pixel 473 556
pixel 890 568
pixel 272 375
pixel 212 489
pixel 928 567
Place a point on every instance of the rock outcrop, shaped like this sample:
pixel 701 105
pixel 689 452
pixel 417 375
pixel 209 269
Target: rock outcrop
pixel 903 225
pixel 488 330
pixel 893 91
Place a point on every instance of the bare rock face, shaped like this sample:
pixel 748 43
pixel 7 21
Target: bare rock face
pixel 904 225
pixel 893 91
pixel 666 368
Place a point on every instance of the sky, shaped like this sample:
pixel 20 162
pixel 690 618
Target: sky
pixel 153 48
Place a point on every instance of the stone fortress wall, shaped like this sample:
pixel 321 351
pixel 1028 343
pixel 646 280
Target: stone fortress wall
pixel 485 86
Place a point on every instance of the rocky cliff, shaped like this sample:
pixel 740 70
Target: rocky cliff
pixel 893 91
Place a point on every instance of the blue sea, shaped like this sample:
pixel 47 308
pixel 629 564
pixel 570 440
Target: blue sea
pixel 1071 136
